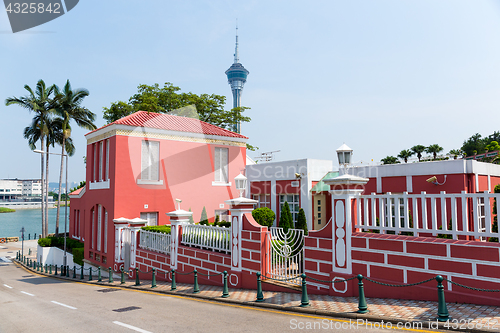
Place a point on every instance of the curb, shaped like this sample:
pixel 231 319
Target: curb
pixel 367 318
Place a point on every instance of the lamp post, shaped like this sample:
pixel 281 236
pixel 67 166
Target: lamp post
pixel 241 183
pixel 66 199
pixel 344 154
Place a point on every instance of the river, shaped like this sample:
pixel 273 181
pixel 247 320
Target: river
pixel 31 220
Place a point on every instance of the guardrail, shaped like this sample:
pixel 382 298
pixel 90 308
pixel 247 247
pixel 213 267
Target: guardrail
pixel 457 214
pixel 207 237
pixel 154 241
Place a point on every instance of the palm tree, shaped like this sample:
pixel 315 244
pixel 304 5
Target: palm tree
pixel 389 160
pixel 455 153
pixel 418 149
pixel 434 150
pixel 39 102
pixel 67 104
pixel 405 155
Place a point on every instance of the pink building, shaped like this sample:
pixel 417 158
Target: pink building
pixel 137 166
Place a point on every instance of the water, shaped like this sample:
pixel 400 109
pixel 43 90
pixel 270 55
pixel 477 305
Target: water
pixel 31 220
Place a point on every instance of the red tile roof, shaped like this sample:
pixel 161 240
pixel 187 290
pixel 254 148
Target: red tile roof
pixel 76 192
pixel 172 123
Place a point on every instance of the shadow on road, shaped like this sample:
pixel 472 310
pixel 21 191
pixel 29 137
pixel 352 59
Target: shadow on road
pixel 37 280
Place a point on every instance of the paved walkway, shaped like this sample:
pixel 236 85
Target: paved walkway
pixel 483 318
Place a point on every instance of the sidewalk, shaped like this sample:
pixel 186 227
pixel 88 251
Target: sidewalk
pixel 483 318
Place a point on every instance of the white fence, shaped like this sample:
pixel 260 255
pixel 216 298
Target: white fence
pixel 207 237
pixel 461 214
pixel 154 241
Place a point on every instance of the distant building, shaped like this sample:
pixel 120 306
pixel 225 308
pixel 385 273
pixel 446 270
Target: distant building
pixel 22 193
pixel 272 184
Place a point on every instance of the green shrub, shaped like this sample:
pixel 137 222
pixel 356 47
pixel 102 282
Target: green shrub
pixel 204 218
pixel 45 242
pixel 6 210
pixel 158 228
pixel 216 222
pixel 264 216
pixel 286 221
pixel 224 224
pixel 302 222
pixel 78 255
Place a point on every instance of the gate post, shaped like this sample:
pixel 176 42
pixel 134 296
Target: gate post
pixel 178 218
pixel 343 189
pixel 120 224
pixel 238 207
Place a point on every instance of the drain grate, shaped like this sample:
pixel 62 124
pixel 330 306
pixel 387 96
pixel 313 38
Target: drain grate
pixel 130 308
pixel 108 290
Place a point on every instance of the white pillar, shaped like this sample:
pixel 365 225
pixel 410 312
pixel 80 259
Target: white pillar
pixel 178 218
pixel 343 190
pixel 238 208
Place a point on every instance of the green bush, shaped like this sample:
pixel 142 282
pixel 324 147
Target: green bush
pixel 302 222
pixel 204 218
pixel 78 255
pixel 45 242
pixel 286 221
pixel 224 224
pixel 216 222
pixel 264 216
pixel 158 228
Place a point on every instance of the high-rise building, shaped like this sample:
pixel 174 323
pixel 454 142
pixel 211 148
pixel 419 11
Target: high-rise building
pixel 236 77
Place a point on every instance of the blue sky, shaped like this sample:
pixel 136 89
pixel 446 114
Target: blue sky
pixel 379 75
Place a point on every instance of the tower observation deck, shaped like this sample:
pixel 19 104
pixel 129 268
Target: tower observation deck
pixel 236 77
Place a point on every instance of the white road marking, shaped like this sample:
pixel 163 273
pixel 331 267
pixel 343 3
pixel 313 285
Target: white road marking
pixel 4 259
pixel 27 293
pixel 131 327
pixel 8 286
pixel 68 306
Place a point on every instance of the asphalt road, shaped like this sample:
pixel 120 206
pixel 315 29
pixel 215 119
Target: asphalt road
pixel 32 303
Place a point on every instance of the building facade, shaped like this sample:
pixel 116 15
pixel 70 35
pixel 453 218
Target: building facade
pixel 139 165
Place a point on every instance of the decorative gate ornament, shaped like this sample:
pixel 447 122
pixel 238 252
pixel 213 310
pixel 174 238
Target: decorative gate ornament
pixel 286 254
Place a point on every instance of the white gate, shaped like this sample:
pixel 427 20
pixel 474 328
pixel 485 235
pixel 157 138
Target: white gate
pixel 285 259
pixel 127 248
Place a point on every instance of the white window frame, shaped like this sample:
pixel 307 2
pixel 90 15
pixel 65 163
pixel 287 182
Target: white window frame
pixel 262 203
pixel 146 177
pixel 151 217
pixel 107 159
pixel 99 227
pixel 221 167
pixel 101 158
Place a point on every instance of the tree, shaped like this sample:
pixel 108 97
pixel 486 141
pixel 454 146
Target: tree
pixel 434 150
pixel 455 153
pixel 389 160
pixel 286 221
pixel 82 184
pixel 492 146
pixel 418 149
pixel 191 219
pixel 67 105
pixel 39 102
pixel 405 154
pixel 166 99
pixel 302 222
pixel 474 143
pixel 264 216
pixel 204 218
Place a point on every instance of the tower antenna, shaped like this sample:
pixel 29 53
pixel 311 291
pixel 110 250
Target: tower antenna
pixel 236 55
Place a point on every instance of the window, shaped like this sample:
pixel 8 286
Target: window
pixel 152 218
pixel 220 165
pixel 150 155
pixel 293 202
pixel 99 227
pixel 94 162
pixel 223 214
pixel 101 152
pixel 107 159
pixel 92 230
pixel 105 231
pixel 264 200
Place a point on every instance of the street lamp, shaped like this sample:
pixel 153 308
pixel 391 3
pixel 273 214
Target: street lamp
pixel 241 183
pixel 66 199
